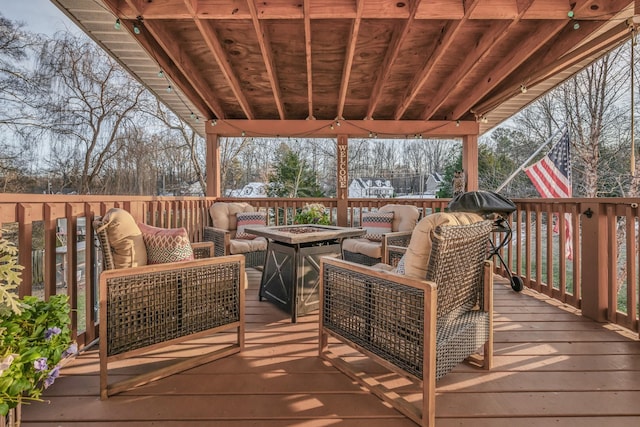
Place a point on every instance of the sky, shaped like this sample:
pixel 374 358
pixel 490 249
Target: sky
pixel 39 16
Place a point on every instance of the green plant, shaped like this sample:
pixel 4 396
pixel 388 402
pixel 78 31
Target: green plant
pixel 34 336
pixel 313 213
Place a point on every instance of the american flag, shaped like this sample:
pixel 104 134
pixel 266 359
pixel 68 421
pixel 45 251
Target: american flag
pixel 552 178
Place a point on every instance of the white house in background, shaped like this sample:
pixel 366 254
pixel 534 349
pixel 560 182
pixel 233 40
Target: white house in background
pixel 434 183
pixel 371 187
pixel 252 189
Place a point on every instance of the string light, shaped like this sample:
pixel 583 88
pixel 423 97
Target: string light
pixel 214 122
pixel 136 29
pixel 243 134
pixel 457 123
pixel 161 74
pixel 192 115
pixel 523 88
pixel 118 24
pixel 169 88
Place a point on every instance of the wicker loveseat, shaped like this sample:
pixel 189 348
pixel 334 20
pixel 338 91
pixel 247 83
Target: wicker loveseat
pixel 226 237
pixel 420 328
pixel 146 307
pixel 370 249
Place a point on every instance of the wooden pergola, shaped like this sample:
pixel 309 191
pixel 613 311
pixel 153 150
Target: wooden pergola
pixel 352 68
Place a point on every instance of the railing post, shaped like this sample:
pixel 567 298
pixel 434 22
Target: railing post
pixel 342 180
pixel 594 261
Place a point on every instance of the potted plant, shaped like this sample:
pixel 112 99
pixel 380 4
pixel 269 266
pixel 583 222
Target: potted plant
pixel 313 213
pixel 34 339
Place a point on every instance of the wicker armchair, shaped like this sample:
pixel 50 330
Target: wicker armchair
pixel 420 329
pixel 224 234
pixel 368 251
pixel 147 307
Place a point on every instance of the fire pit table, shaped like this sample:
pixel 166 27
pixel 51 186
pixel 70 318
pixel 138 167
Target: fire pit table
pixel 292 265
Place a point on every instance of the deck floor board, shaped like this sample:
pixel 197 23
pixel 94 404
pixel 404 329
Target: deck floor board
pixel 552 368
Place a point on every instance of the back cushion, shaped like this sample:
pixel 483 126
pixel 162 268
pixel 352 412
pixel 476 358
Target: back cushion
pixel 416 259
pixel 377 224
pixel 245 219
pixel 125 239
pixel 223 215
pixel 166 244
pixel 405 217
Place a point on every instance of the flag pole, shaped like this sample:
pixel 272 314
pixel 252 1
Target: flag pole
pixel 526 162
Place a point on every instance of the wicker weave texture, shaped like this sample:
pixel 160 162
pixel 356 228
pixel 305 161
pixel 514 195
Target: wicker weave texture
pixel 154 307
pixel 381 316
pixel 359 258
pixel 386 318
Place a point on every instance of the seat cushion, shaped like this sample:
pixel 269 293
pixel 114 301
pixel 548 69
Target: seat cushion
pixel 247 219
pixel 166 244
pixel 416 259
pixel 125 238
pixel 366 247
pixel 223 215
pixel 405 217
pixel 377 224
pixel 243 246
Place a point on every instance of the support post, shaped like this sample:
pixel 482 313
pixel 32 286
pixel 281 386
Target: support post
pixel 470 161
pixel 213 165
pixel 594 262
pixel 342 180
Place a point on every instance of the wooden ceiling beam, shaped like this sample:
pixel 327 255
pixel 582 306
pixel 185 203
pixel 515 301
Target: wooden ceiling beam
pixel 184 65
pixel 442 46
pixel 348 60
pixel 307 50
pixel 509 64
pixel 605 41
pixel 265 49
pixel 489 40
pixel 390 58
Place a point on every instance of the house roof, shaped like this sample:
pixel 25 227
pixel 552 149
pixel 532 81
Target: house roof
pixel 265 65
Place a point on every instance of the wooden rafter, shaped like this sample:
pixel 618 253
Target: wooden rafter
pixel 263 41
pixel 348 62
pixel 225 66
pixel 510 63
pixel 489 40
pixel 612 37
pixel 449 34
pixel 390 57
pixel 307 49
pixel 185 66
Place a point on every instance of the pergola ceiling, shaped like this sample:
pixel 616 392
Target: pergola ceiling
pixel 241 61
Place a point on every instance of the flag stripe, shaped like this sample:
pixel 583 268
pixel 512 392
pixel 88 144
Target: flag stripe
pixel 551 176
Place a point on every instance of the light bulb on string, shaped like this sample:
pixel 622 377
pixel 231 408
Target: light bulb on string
pixel 169 88
pixel 523 88
pixel 161 74
pixel 117 24
pixel 243 133
pixel 136 29
pixel 214 122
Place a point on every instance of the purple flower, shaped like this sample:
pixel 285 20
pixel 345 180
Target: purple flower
pixel 73 349
pixel 49 333
pixel 40 364
pixel 52 377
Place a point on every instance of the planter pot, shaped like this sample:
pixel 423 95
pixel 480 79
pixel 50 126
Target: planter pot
pixel 13 418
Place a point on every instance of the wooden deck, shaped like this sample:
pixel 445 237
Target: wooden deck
pixel 552 368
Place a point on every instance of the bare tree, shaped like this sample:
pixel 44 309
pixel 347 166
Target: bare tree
pixel 89 103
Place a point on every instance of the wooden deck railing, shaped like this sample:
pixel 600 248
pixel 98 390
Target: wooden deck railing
pixel 601 278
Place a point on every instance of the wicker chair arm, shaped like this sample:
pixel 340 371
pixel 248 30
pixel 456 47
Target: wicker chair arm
pixel 202 250
pixel 221 240
pixel 396 239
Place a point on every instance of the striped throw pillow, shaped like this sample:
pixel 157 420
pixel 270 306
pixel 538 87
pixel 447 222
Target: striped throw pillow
pixel 166 244
pixel 246 219
pixel 377 224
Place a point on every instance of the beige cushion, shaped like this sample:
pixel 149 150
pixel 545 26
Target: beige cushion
pixel 223 214
pixel 243 246
pixel 125 239
pixel 366 247
pixel 416 259
pixel 405 217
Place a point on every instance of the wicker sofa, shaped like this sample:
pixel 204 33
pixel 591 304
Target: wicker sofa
pixel 224 233
pixel 147 307
pixel 420 328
